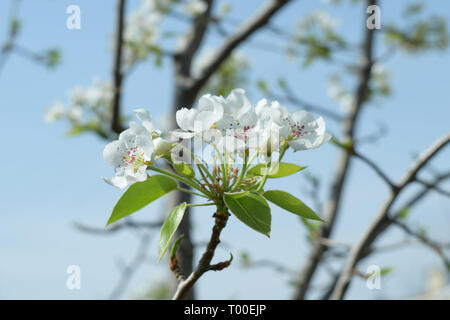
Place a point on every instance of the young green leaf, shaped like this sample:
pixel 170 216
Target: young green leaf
pixel 140 194
pixel 291 204
pixel 386 271
pixel 251 209
pixel 403 214
pixel 282 170
pixel 169 227
pixel 236 195
pixel 183 169
pixel 176 246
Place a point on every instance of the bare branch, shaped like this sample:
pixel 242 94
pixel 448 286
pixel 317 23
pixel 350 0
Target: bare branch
pixel 372 137
pixel 244 32
pixel 116 227
pixel 331 209
pixel 435 246
pixel 272 264
pixel 382 220
pixel 131 268
pixel 290 97
pixel 377 169
pixel 191 42
pixel 117 68
pixel 433 186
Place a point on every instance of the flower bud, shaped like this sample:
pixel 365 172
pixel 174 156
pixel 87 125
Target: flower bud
pixel 161 147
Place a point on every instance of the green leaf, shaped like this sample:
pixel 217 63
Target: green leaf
pixel 140 194
pixel 291 204
pixel 184 169
pixel 251 209
pixel 169 227
pixel 282 170
pixel 262 85
pixel 386 271
pixel 53 57
pixel 236 195
pixel 403 214
pixel 176 246
pixel 342 144
pixel 312 226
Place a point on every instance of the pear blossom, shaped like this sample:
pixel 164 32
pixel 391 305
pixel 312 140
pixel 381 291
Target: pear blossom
pixel 240 128
pixel 142 31
pixel 305 132
pixel 195 8
pixel 239 116
pixel 132 152
pixel 54 112
pixel 338 93
pixel 97 94
pixel 162 147
pixel 300 130
pixel 202 118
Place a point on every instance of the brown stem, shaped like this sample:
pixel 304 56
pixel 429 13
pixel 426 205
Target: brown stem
pixel 204 265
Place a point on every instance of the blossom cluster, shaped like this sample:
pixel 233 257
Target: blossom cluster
pixel 84 102
pixel 235 129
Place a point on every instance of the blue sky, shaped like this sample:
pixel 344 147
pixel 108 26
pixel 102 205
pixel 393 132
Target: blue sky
pixel 50 181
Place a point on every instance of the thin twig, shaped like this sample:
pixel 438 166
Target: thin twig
pixel 381 220
pixel 376 168
pixel 435 246
pixel 130 269
pixel 116 227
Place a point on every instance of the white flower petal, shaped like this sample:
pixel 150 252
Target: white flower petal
pixel 146 119
pixel 117 181
pixel 302 117
pixel 113 152
pixel 237 102
pixel 162 147
pixel 186 118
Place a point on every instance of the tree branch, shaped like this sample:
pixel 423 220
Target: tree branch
pixel 377 169
pixel 244 32
pixel 117 68
pixel 294 99
pixel 381 220
pixel 116 227
pixel 204 264
pixel 436 247
pixel 331 209
pixel 130 269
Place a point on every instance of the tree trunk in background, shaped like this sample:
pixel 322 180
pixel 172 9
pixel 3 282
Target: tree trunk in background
pixel 331 210
pixel 183 97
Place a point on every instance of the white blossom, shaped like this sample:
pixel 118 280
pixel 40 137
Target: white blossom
pixel 305 132
pixel 132 152
pixel 202 118
pixel 97 94
pixel 300 130
pixel 55 112
pixel 195 7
